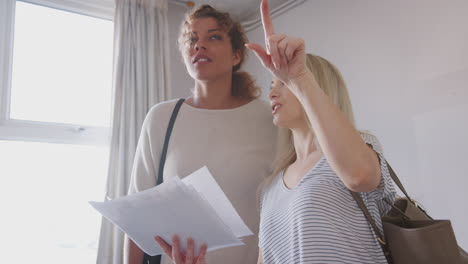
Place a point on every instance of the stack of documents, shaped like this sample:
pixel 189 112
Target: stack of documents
pixel 193 207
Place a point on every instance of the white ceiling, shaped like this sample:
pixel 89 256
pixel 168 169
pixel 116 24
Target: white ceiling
pixel 246 11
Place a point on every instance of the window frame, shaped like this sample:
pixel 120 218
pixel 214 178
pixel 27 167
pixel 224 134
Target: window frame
pixel 47 132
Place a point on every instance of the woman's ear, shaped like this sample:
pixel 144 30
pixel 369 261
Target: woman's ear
pixel 236 58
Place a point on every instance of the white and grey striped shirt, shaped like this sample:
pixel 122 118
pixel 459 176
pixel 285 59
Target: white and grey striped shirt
pixel 318 221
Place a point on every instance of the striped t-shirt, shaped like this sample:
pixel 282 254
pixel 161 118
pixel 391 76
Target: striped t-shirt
pixel 318 221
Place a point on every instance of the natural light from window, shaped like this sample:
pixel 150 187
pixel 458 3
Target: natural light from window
pixel 62 67
pixel 62 72
pixel 46 211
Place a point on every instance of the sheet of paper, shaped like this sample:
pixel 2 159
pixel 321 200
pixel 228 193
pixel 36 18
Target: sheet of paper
pixel 174 207
pixel 203 182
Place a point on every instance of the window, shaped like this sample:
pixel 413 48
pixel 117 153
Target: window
pixel 55 95
pixel 67 59
pixel 44 198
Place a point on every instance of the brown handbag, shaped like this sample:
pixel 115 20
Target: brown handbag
pixel 411 235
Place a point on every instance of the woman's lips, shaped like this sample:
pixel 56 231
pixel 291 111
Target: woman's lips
pixel 201 59
pixel 275 108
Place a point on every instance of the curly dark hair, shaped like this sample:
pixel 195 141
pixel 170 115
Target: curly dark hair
pixel 243 84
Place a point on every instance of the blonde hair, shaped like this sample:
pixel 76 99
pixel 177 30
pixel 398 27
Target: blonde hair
pixel 243 85
pixel 332 83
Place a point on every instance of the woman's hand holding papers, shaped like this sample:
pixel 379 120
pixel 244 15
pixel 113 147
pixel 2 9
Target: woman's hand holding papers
pixel 174 251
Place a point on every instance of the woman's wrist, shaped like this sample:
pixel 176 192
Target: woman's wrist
pixel 302 82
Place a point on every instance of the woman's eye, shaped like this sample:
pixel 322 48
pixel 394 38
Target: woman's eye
pixel 192 40
pixel 216 37
pixel 276 84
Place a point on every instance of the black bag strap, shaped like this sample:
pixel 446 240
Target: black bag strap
pixel 368 216
pixel 397 181
pixel 170 126
pixel 363 207
pixel 147 259
pixel 380 237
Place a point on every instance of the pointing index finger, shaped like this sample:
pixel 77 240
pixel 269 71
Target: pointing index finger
pixel 266 19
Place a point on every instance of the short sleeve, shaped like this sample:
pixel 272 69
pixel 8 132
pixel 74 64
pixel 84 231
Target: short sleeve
pixel 386 188
pixel 149 148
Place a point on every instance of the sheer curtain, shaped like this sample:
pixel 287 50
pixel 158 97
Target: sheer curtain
pixel 140 80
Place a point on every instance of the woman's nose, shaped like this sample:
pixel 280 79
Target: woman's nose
pixel 200 45
pixel 273 94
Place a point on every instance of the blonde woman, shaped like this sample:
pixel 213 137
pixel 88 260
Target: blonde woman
pixel 221 125
pixel 307 212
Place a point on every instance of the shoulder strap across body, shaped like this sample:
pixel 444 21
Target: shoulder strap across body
pixel 147 259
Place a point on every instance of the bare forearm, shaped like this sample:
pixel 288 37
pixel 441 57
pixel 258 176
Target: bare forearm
pixel 132 253
pixel 352 160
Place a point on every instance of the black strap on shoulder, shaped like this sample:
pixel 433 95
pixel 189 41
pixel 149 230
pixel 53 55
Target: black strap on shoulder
pixel 371 221
pixel 162 161
pixel 397 181
pixel 147 259
pixel 368 216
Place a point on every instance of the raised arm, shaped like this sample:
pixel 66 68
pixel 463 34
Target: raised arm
pixel 353 161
